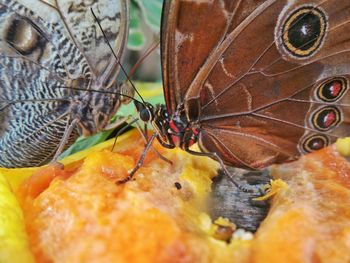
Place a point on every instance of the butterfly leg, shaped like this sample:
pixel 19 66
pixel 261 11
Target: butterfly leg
pixel 64 140
pixel 140 161
pixel 231 176
pixel 145 130
pixel 144 134
pixel 123 130
pixel 116 124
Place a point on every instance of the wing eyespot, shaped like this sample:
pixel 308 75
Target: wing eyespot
pixel 21 35
pixel 314 142
pixel 332 89
pixel 303 32
pixel 326 118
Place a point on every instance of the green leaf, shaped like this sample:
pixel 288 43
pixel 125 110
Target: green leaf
pixel 151 10
pixel 136 39
pixel 86 142
pixel 135 15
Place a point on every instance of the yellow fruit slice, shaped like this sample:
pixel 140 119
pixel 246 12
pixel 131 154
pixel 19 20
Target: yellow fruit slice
pixel 13 238
pixel 343 146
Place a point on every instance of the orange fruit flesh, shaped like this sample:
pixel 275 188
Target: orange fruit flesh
pixel 84 216
pixel 309 222
pixel 79 214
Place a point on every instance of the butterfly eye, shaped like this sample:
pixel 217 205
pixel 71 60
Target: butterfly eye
pixel 332 90
pixel 314 143
pixel 304 31
pixel 145 115
pixel 326 118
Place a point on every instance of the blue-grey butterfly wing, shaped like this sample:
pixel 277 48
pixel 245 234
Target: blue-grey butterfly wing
pixel 46 49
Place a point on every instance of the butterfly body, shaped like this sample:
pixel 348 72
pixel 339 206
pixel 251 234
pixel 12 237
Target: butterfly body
pixel 264 82
pixel 172 130
pixel 58 79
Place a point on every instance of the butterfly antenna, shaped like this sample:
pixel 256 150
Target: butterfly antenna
pixel 98 91
pixel 115 56
pixel 80 89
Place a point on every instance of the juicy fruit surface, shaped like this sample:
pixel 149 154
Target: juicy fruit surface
pixel 84 216
pixel 79 214
pixel 309 222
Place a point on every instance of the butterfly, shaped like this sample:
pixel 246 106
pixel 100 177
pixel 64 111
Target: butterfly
pixel 254 83
pixel 55 71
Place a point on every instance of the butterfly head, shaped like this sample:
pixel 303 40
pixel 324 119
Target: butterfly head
pixel 172 131
pixel 145 111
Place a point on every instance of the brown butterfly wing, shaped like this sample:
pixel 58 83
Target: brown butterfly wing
pixel 186 43
pixel 266 94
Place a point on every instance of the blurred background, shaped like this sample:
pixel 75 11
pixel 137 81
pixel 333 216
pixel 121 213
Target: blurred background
pixel 144 32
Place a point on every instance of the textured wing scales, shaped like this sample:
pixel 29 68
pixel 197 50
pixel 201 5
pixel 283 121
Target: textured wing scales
pixel 47 48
